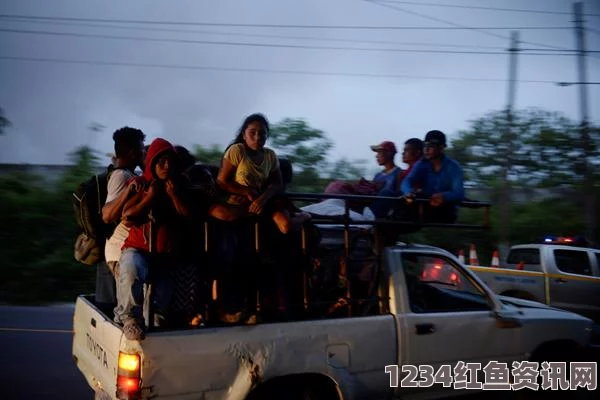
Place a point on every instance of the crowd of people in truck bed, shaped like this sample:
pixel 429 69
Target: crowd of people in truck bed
pixel 182 225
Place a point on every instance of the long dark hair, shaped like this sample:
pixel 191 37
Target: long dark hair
pixel 257 117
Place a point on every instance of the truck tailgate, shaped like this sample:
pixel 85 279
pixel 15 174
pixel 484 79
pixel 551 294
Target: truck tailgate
pixel 96 342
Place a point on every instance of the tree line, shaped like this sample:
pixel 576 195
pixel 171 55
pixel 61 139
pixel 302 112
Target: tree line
pixel 39 228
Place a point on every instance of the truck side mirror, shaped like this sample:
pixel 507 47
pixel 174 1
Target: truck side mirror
pixel 504 321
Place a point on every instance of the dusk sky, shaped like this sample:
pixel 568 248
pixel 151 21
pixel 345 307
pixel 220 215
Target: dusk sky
pixel 362 71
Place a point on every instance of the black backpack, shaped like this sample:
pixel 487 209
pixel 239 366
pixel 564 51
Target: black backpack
pixel 88 199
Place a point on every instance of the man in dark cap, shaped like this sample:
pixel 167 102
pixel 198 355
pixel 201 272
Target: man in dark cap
pixel 438 178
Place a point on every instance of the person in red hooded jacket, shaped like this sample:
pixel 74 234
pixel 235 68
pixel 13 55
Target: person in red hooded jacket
pixel 155 214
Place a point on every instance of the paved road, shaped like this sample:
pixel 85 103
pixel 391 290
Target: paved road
pixel 35 358
pixel 35 355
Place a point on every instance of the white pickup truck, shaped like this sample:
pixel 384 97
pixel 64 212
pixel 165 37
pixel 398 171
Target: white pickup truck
pixel 559 275
pixel 418 319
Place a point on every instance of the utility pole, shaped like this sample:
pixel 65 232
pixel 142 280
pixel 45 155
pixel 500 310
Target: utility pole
pixel 506 198
pixel 585 142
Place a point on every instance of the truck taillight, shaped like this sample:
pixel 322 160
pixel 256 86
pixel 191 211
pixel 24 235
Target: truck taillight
pixel 129 362
pixel 129 383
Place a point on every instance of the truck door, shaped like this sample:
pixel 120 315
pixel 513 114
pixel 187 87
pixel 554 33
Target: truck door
pixel 573 285
pixel 446 318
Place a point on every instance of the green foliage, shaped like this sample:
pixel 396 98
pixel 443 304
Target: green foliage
pixel 344 169
pixel 543 149
pixel 209 155
pixel 308 148
pixel 38 236
pixel 304 146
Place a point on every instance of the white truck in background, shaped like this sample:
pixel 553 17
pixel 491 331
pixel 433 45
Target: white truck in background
pixel 557 274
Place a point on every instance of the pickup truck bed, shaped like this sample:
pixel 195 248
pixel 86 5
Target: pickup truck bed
pixel 266 351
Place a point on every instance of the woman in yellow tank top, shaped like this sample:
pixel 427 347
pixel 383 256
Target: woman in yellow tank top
pixel 251 176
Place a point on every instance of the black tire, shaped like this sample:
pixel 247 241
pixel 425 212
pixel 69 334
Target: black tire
pixel 297 389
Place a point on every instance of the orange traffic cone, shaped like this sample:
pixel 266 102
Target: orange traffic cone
pixel 461 256
pixel 495 260
pixel 473 256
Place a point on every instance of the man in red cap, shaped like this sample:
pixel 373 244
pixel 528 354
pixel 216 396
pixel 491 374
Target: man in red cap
pixel 386 182
pixel 386 179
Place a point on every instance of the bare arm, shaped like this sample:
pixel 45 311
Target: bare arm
pixel 225 181
pixel 113 210
pixel 138 204
pixel 275 187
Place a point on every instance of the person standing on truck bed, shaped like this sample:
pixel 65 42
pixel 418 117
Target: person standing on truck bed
pixel 129 154
pixel 191 294
pixel 438 178
pixel 155 214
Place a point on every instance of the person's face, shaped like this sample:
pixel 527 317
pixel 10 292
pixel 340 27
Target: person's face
pixel 410 155
pixel 255 135
pixel 164 166
pixel 433 150
pixel 383 157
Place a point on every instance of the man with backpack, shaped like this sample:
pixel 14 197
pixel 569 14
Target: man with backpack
pixel 96 226
pixel 129 154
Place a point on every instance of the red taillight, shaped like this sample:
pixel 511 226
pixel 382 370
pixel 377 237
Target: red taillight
pixel 453 277
pixel 129 383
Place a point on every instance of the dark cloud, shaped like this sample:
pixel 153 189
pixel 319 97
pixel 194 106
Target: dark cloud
pixel 51 105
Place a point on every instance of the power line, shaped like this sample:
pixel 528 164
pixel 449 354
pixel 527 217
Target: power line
pixel 270 45
pixel 559 50
pixel 254 70
pixel 457 26
pixel 484 8
pixel 283 26
pixel 293 37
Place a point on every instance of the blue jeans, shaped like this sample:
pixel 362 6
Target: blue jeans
pixel 131 274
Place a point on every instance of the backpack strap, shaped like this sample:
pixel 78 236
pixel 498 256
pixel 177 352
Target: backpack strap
pixel 98 192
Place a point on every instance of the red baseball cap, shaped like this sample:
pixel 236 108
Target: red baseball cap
pixel 385 146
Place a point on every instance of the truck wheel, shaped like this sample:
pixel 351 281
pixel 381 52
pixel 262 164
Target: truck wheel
pixel 294 393
pixel 559 351
pixel 297 390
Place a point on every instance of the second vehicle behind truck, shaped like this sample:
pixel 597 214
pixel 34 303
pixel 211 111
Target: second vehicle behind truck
pixel 559 275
